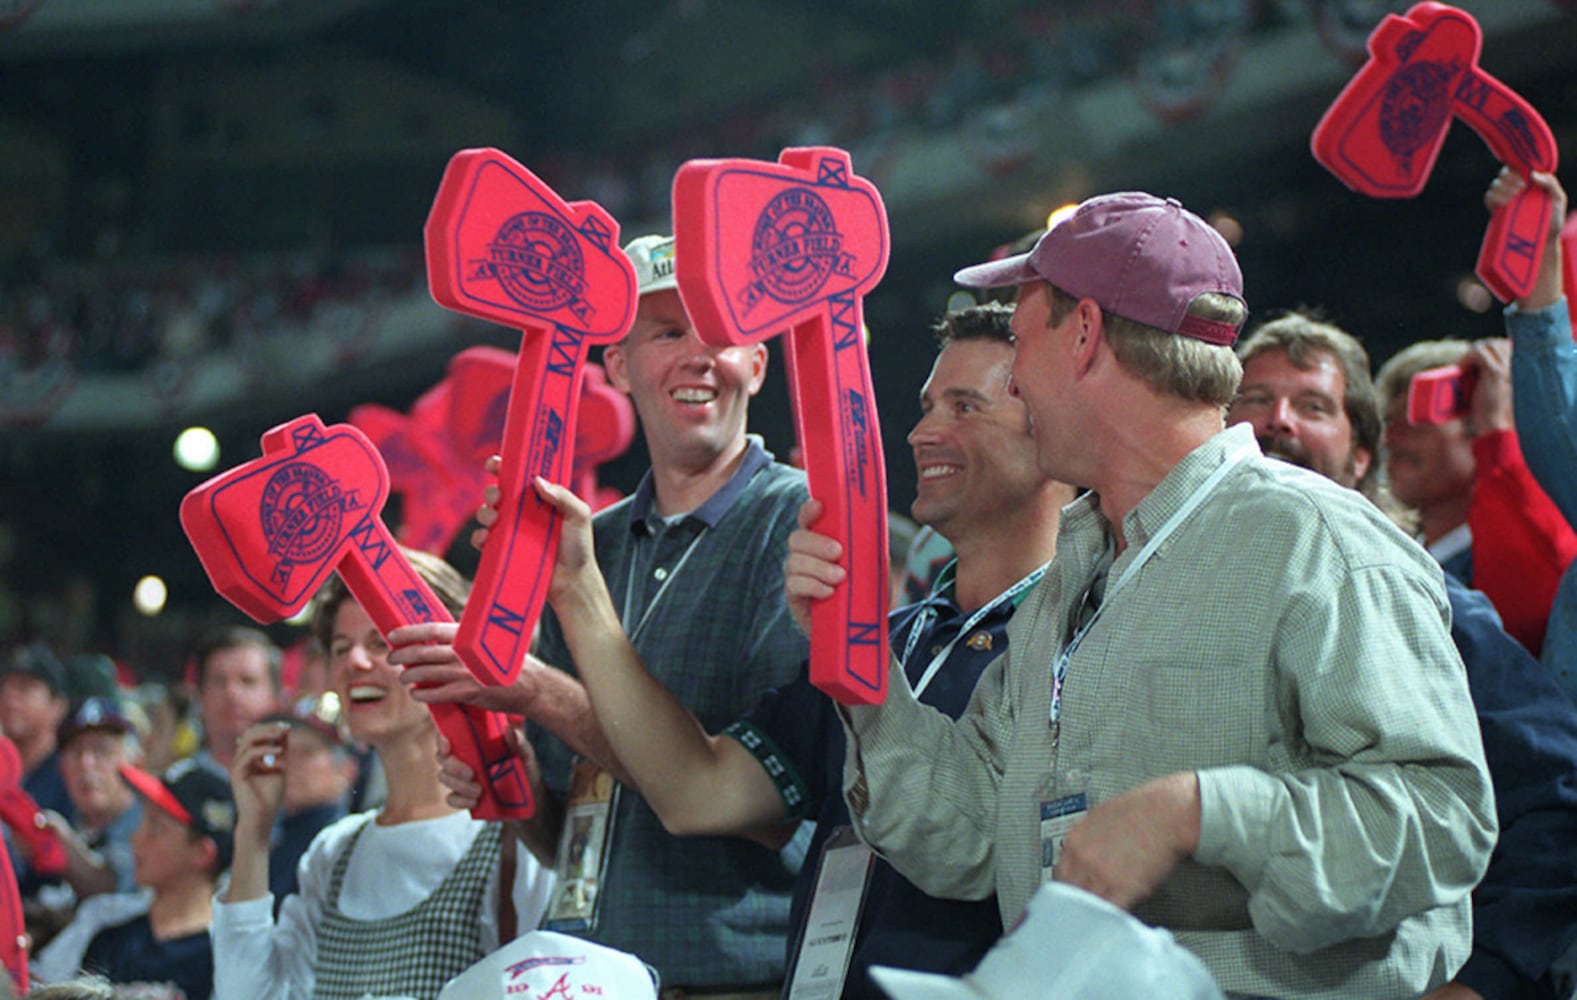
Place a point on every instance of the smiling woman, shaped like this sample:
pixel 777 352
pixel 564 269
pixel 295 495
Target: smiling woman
pixel 373 883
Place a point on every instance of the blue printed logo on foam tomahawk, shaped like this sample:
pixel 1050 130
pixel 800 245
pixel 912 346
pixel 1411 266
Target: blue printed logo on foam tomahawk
pixel 796 247
pixel 301 512
pixel 1415 107
pixel 537 261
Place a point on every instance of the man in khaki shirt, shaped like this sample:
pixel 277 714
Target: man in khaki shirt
pixel 1233 705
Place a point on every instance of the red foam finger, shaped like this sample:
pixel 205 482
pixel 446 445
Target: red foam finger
pixel 792 247
pixel 270 531
pixel 502 246
pixel 1383 133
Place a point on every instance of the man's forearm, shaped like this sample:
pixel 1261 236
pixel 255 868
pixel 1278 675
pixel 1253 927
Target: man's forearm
pixel 695 782
pixel 560 704
pixel 540 833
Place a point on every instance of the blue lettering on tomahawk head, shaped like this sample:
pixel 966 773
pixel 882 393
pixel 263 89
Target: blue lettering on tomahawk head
pixel 537 261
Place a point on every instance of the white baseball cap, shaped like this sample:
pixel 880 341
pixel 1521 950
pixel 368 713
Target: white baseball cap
pixel 1071 945
pixel 540 961
pixel 653 258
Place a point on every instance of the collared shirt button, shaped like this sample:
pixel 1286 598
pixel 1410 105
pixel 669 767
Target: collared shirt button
pixel 660 573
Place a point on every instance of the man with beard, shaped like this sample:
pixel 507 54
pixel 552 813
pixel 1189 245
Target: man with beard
pixel 1306 391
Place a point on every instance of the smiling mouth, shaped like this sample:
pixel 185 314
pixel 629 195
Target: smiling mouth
pixel 939 471
pixel 694 395
pixel 364 693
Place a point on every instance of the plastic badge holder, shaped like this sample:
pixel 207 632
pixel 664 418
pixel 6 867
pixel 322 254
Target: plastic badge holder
pixel 502 246
pixel 270 532
pixel 1382 134
pixel 13 925
pixel 1440 394
pixel 794 246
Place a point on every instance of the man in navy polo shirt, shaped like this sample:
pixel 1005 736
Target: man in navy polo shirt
pixel 979 486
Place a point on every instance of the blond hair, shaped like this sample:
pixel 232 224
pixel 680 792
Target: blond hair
pixel 1180 366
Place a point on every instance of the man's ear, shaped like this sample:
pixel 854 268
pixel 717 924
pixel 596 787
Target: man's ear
pixel 1361 460
pixel 1088 336
pixel 207 854
pixel 758 367
pixel 613 363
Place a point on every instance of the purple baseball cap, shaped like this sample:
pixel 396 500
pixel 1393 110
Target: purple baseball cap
pixel 1138 256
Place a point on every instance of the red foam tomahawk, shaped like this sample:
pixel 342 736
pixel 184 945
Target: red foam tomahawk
pixel 435 454
pixel 502 246
pixel 762 248
pixel 269 533
pixel 434 499
pixel 1383 132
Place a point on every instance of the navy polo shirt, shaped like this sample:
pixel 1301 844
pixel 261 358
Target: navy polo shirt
pixel 795 734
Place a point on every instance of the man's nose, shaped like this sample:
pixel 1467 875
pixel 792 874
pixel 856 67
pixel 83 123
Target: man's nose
pixel 924 431
pixel 1281 413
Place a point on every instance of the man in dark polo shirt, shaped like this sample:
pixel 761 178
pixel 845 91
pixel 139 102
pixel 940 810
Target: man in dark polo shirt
pixel 695 559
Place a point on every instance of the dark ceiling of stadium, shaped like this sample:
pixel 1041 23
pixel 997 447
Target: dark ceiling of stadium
pixel 626 82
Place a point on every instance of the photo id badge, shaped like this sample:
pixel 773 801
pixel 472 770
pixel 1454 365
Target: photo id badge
pixel 583 849
pixel 1062 804
pixel 827 940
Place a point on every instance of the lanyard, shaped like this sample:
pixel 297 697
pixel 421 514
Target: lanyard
pixel 1233 458
pixel 927 615
pixel 629 588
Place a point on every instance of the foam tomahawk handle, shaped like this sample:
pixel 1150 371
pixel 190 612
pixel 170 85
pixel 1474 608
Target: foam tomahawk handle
pixel 269 533
pixel 1383 133
pixel 763 248
pixel 503 247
